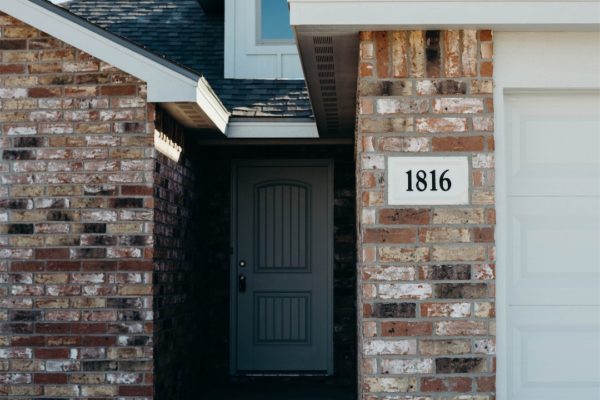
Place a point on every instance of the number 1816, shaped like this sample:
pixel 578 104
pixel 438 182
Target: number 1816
pixel 425 181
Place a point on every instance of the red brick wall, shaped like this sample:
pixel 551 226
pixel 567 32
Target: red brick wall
pixel 76 223
pixel 426 274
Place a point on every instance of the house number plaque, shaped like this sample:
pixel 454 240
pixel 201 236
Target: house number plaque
pixel 428 180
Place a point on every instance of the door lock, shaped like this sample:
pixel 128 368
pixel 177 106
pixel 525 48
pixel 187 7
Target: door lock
pixel 241 283
pixel 242 263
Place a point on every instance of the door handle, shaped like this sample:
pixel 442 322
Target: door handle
pixel 241 283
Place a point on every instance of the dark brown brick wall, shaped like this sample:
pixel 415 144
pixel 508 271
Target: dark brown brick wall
pixel 175 314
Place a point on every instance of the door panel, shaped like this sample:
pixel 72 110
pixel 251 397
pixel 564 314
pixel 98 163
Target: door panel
pixel 283 224
pixel 553 142
pixel 554 252
pixel 552 257
pixel 554 352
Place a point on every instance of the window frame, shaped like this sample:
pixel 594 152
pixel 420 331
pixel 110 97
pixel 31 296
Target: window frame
pixel 246 57
pixel 258 27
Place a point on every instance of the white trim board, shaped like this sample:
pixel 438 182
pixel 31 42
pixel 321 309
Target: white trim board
pixel 271 130
pixel 357 15
pixel 167 82
pixel 531 70
pixel 245 56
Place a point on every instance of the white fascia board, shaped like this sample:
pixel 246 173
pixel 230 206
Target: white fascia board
pixel 211 105
pixel 356 15
pixel 166 81
pixel 271 130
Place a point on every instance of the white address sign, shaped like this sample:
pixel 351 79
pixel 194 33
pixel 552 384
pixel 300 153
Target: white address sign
pixel 428 180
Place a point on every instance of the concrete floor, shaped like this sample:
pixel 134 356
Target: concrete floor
pixel 280 392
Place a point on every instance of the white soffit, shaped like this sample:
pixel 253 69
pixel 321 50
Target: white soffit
pixel 271 130
pixel 356 15
pixel 167 82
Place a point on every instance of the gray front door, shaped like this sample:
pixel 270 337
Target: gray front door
pixel 282 267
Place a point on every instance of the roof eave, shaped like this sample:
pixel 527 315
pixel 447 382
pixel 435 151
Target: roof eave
pixel 167 82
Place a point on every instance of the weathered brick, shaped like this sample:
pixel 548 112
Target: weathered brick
pixel 460 328
pixel 405 291
pixel 461 290
pixel 395 235
pixel 459 385
pixel 445 272
pixel 460 365
pixel 390 310
pixel 389 273
pixel 413 366
pixel 404 216
pixel 404 328
pixel 447 310
pixel 463 143
pixel 444 347
pixel 457 105
pixel 404 254
pixel 440 87
pixel 441 125
pixel 389 385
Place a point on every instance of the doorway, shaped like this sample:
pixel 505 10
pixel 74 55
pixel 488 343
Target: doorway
pixel 213 273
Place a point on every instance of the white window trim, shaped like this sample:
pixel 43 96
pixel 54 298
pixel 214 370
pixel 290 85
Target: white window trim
pixel 506 81
pixel 242 39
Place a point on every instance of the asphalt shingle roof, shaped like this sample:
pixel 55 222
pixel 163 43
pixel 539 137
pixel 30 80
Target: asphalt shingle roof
pixel 180 31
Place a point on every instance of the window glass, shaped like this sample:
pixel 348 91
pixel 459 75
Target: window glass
pixel 275 20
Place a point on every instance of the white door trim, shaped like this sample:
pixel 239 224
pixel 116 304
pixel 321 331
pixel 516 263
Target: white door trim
pixel 532 69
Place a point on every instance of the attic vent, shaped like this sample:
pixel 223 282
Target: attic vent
pixel 327 40
pixel 324 58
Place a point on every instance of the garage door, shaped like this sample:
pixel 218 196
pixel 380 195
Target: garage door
pixel 548 134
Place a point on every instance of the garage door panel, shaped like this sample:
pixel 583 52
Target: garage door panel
pixel 553 142
pixel 553 250
pixel 554 353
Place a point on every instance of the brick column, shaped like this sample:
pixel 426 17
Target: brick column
pixel 76 223
pixel 426 274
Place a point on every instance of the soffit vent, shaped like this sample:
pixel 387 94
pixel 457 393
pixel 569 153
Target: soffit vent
pixel 332 93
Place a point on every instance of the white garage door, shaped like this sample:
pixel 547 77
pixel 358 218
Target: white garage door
pixel 548 135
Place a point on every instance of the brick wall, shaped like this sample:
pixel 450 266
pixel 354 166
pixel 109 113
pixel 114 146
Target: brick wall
pixel 426 273
pixel 176 315
pixel 76 223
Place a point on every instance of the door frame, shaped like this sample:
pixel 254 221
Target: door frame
pixel 235 165
pixel 510 77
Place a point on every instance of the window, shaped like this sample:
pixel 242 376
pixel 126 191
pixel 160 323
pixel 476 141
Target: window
pixel 259 41
pixel 275 22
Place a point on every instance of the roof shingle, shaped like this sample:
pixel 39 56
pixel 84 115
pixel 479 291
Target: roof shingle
pixel 180 31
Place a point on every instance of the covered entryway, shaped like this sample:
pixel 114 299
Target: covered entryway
pixel 286 212
pixel 281 290
pixel 548 136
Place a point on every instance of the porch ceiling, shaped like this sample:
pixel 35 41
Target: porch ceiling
pixel 330 63
pixel 327 36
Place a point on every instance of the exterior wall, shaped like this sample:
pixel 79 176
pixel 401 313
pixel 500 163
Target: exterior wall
pixel 214 178
pixel 175 228
pixel 76 223
pixel 426 273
